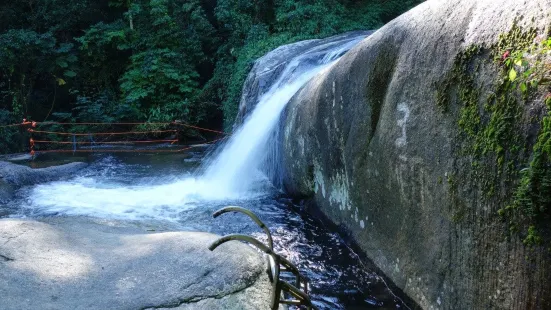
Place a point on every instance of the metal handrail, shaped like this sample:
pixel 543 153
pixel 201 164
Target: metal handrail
pixel 252 216
pixel 277 261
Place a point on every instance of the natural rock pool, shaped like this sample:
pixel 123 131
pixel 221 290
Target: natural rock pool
pixel 165 187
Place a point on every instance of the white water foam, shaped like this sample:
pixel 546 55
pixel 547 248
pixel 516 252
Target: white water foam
pixel 89 196
pixel 236 171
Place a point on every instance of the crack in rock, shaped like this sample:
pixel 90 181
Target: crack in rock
pixel 6 258
pixel 10 238
pixel 196 299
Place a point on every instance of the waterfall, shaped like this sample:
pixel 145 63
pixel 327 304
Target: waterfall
pixel 244 167
pixel 252 151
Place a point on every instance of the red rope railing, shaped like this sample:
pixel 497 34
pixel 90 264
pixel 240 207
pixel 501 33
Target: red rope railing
pixel 112 142
pixel 100 133
pixel 30 126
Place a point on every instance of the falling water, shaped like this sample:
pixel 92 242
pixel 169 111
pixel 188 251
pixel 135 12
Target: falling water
pixel 249 154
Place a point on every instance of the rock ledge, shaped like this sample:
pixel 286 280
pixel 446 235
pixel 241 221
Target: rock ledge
pixel 87 263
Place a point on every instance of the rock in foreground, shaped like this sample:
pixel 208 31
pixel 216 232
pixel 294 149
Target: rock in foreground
pixel 80 263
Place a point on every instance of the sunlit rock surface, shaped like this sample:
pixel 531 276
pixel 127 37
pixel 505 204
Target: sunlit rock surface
pixel 85 263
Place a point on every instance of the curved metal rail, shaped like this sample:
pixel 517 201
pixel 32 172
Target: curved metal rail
pixel 252 216
pixel 276 265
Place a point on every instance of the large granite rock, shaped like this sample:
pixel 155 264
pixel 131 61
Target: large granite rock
pixel 83 263
pixel 369 142
pixel 13 176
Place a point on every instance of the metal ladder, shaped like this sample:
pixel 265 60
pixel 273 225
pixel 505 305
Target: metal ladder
pixel 282 292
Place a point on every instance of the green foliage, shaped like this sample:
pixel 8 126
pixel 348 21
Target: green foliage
pixel 532 199
pixel 89 110
pixel 153 60
pixel 165 42
pixel 27 56
pixel 153 78
pixel 9 134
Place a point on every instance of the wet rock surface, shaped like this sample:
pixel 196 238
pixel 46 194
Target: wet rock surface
pixel 19 175
pixel 88 263
pixel 14 176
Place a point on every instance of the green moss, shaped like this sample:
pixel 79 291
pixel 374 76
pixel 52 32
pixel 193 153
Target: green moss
pixel 533 238
pixel 515 39
pixel 459 78
pixel 442 99
pixel 459 215
pixel 531 205
pixel 492 136
pixel 496 134
pixel 488 130
pixel 461 209
pixel 532 199
pixel 310 174
pixel 451 182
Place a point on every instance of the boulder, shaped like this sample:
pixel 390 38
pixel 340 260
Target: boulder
pixel 20 175
pixel 87 263
pixel 381 143
pixel 13 176
pixel 24 157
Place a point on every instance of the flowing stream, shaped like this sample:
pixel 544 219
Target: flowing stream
pixel 186 188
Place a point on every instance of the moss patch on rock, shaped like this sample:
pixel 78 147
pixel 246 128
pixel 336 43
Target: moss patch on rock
pixel 492 126
pixel 532 199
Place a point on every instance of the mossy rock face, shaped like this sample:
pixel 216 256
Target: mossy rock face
pixel 417 138
pixel 532 200
pixel 493 131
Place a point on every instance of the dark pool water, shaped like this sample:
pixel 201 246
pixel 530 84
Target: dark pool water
pixel 339 279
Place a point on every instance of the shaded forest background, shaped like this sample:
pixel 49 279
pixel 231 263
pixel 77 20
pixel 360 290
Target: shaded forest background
pixel 151 60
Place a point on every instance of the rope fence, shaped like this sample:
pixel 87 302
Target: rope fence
pixel 101 133
pixel 112 142
pixel 119 124
pixel 31 128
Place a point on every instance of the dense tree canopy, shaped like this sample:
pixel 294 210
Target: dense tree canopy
pixel 152 60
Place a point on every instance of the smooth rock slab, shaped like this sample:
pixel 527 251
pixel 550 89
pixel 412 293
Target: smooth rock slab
pixel 370 143
pixel 83 263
